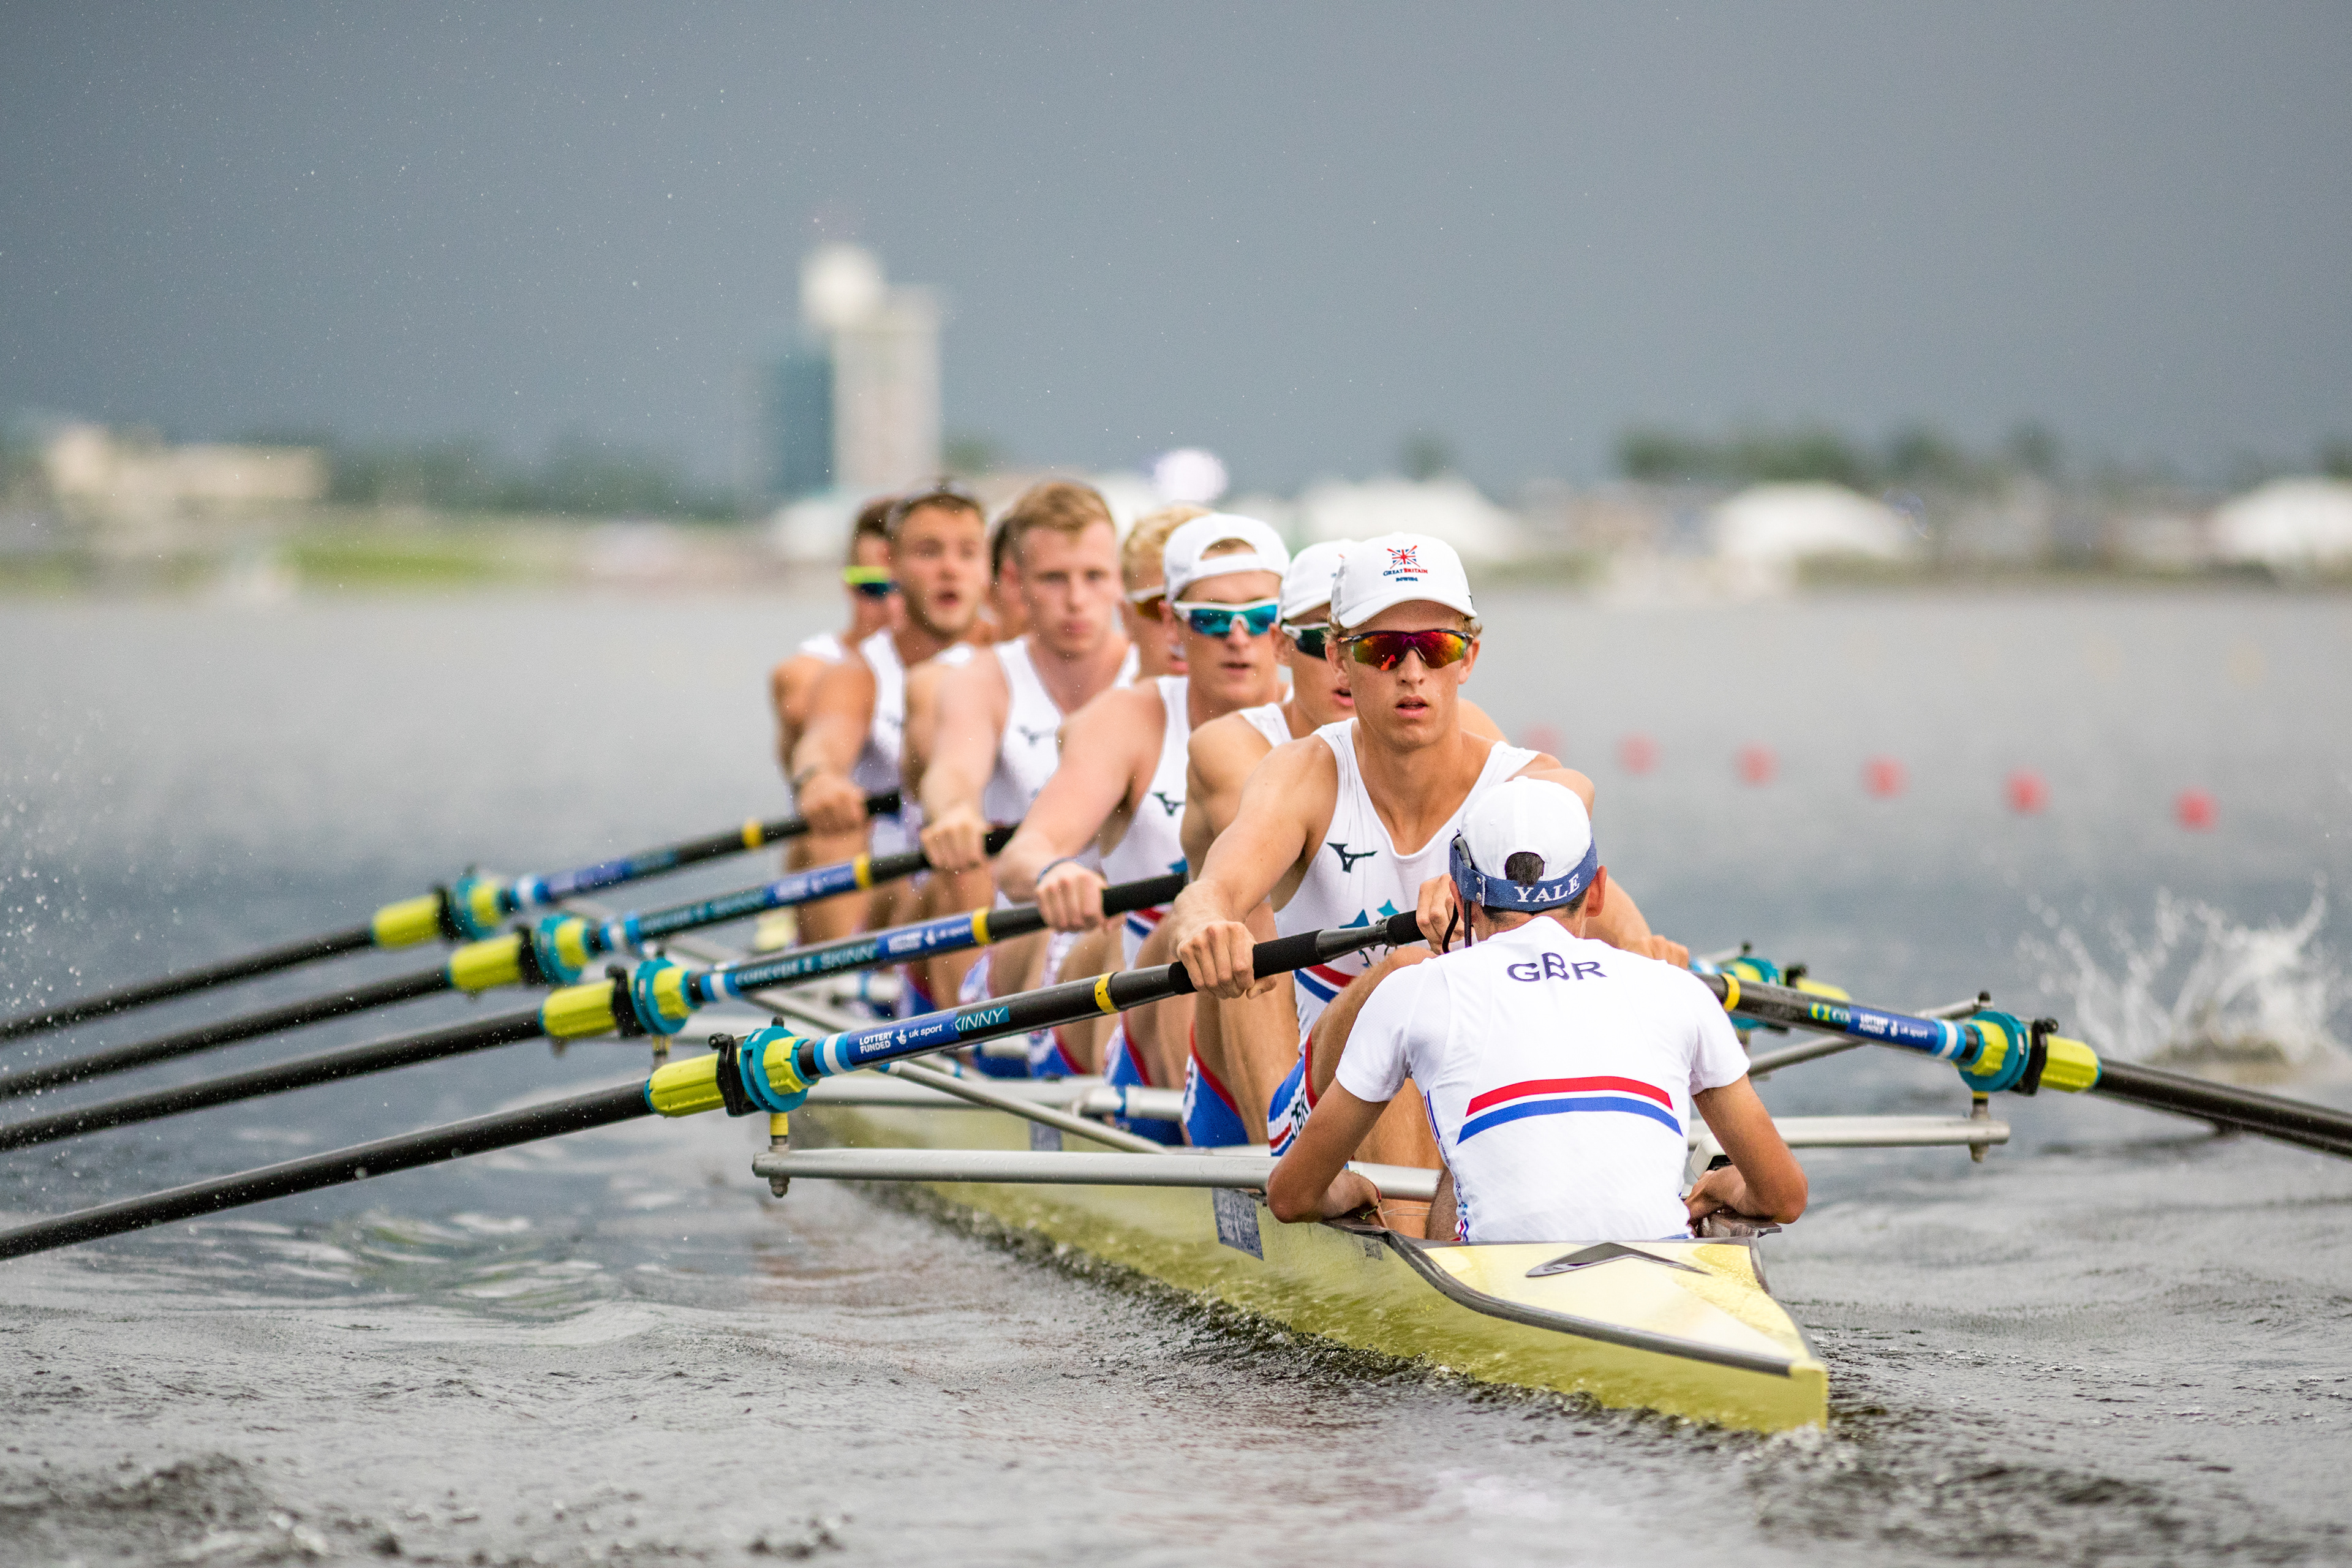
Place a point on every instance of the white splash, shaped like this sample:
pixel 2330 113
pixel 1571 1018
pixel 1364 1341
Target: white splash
pixel 2237 993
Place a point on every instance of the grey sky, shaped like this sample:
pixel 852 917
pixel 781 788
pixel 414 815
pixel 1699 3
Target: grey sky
pixel 1292 233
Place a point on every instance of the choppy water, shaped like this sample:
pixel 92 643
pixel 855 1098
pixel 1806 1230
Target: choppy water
pixel 2118 1341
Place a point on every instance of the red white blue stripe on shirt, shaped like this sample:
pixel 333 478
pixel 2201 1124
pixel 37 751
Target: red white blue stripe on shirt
pixel 1322 981
pixel 1141 922
pixel 1557 1096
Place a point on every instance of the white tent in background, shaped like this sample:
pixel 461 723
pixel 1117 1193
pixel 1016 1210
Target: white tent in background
pixel 1450 508
pixel 1779 525
pixel 2288 524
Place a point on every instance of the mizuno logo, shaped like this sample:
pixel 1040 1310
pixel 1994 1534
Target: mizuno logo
pixel 1347 860
pixel 1034 736
pixel 1171 806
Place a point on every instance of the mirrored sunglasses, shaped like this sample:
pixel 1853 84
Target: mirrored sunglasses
pixel 1386 650
pixel 1217 620
pixel 873 582
pixel 1309 638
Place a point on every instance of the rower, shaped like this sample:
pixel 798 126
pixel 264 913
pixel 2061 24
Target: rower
pixel 1241 1049
pixel 872 598
pixel 1528 1021
pixel 1350 825
pixel 857 720
pixel 1142 612
pixel 1001 717
pixel 1144 609
pixel 1122 781
pixel 872 594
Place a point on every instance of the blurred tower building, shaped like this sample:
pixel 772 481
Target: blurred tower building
pixel 855 406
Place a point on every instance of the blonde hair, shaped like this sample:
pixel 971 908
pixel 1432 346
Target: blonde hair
pixel 1138 555
pixel 1064 505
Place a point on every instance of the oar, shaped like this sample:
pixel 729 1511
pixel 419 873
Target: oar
pixel 768 1071
pixel 620 1005
pixel 468 909
pixel 557 951
pixel 1997 1051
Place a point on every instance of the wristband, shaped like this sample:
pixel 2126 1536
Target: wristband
pixel 1049 865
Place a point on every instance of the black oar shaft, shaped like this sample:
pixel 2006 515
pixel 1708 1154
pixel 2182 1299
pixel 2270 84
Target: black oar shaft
pixel 2317 1127
pixel 416 920
pixel 294 1014
pixel 301 1072
pixel 679 1090
pixel 269 961
pixel 625 1102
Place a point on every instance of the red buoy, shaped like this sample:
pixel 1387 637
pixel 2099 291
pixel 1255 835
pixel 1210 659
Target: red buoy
pixel 2028 795
pixel 1758 764
pixel 2196 810
pixel 1638 753
pixel 1883 777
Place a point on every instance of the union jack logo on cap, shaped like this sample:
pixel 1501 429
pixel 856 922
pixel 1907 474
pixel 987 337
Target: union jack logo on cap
pixel 1403 561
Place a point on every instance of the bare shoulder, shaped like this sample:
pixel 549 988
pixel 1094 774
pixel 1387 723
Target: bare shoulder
pixel 1476 720
pixel 1303 769
pixel 974 681
pixel 1547 767
pixel 1226 746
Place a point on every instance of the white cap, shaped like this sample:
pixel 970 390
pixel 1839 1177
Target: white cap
pixel 1307 585
pixel 1396 569
pixel 1523 816
pixel 1183 565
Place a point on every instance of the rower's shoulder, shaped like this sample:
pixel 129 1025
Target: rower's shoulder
pixel 1121 710
pixel 1227 737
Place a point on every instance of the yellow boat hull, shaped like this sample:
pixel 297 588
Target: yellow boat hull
pixel 1683 1327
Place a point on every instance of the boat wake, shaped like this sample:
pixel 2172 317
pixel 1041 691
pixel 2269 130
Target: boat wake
pixel 2200 989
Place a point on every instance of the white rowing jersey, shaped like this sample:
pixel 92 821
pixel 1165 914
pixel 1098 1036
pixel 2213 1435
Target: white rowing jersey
pixel 1358 875
pixel 1030 748
pixel 1268 719
pixel 1558 1074
pixel 886 741
pixel 1154 841
pixel 825 646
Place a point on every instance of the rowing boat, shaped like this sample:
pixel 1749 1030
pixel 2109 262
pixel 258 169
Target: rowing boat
pixel 1688 1327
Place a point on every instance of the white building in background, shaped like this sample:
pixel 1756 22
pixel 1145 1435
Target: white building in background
pixel 106 476
pixel 2288 525
pixel 853 406
pixel 1448 508
pixel 1781 524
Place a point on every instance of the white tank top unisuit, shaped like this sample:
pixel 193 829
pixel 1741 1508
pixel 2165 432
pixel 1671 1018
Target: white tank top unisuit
pixel 1267 720
pixel 1154 841
pixel 886 741
pixel 1357 876
pixel 825 645
pixel 1030 748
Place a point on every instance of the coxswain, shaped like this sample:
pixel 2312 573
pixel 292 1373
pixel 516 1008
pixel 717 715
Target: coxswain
pixel 852 745
pixel 1239 1050
pixel 1560 1072
pixel 1350 825
pixel 1000 716
pixel 1121 783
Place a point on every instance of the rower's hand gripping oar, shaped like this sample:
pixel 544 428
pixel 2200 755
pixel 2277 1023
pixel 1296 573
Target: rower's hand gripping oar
pixel 616 1004
pixel 1997 1052
pixel 770 1070
pixel 556 951
pixel 468 909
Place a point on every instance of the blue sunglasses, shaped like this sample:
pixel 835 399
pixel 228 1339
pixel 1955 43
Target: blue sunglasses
pixel 1217 620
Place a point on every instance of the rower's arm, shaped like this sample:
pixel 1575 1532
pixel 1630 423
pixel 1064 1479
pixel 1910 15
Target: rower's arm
pixel 1248 860
pixel 1098 769
pixel 1217 763
pixel 1617 920
pixel 922 723
pixel 840 712
pixel 1311 1181
pixel 1331 1029
pixel 972 706
pixel 1763 1179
